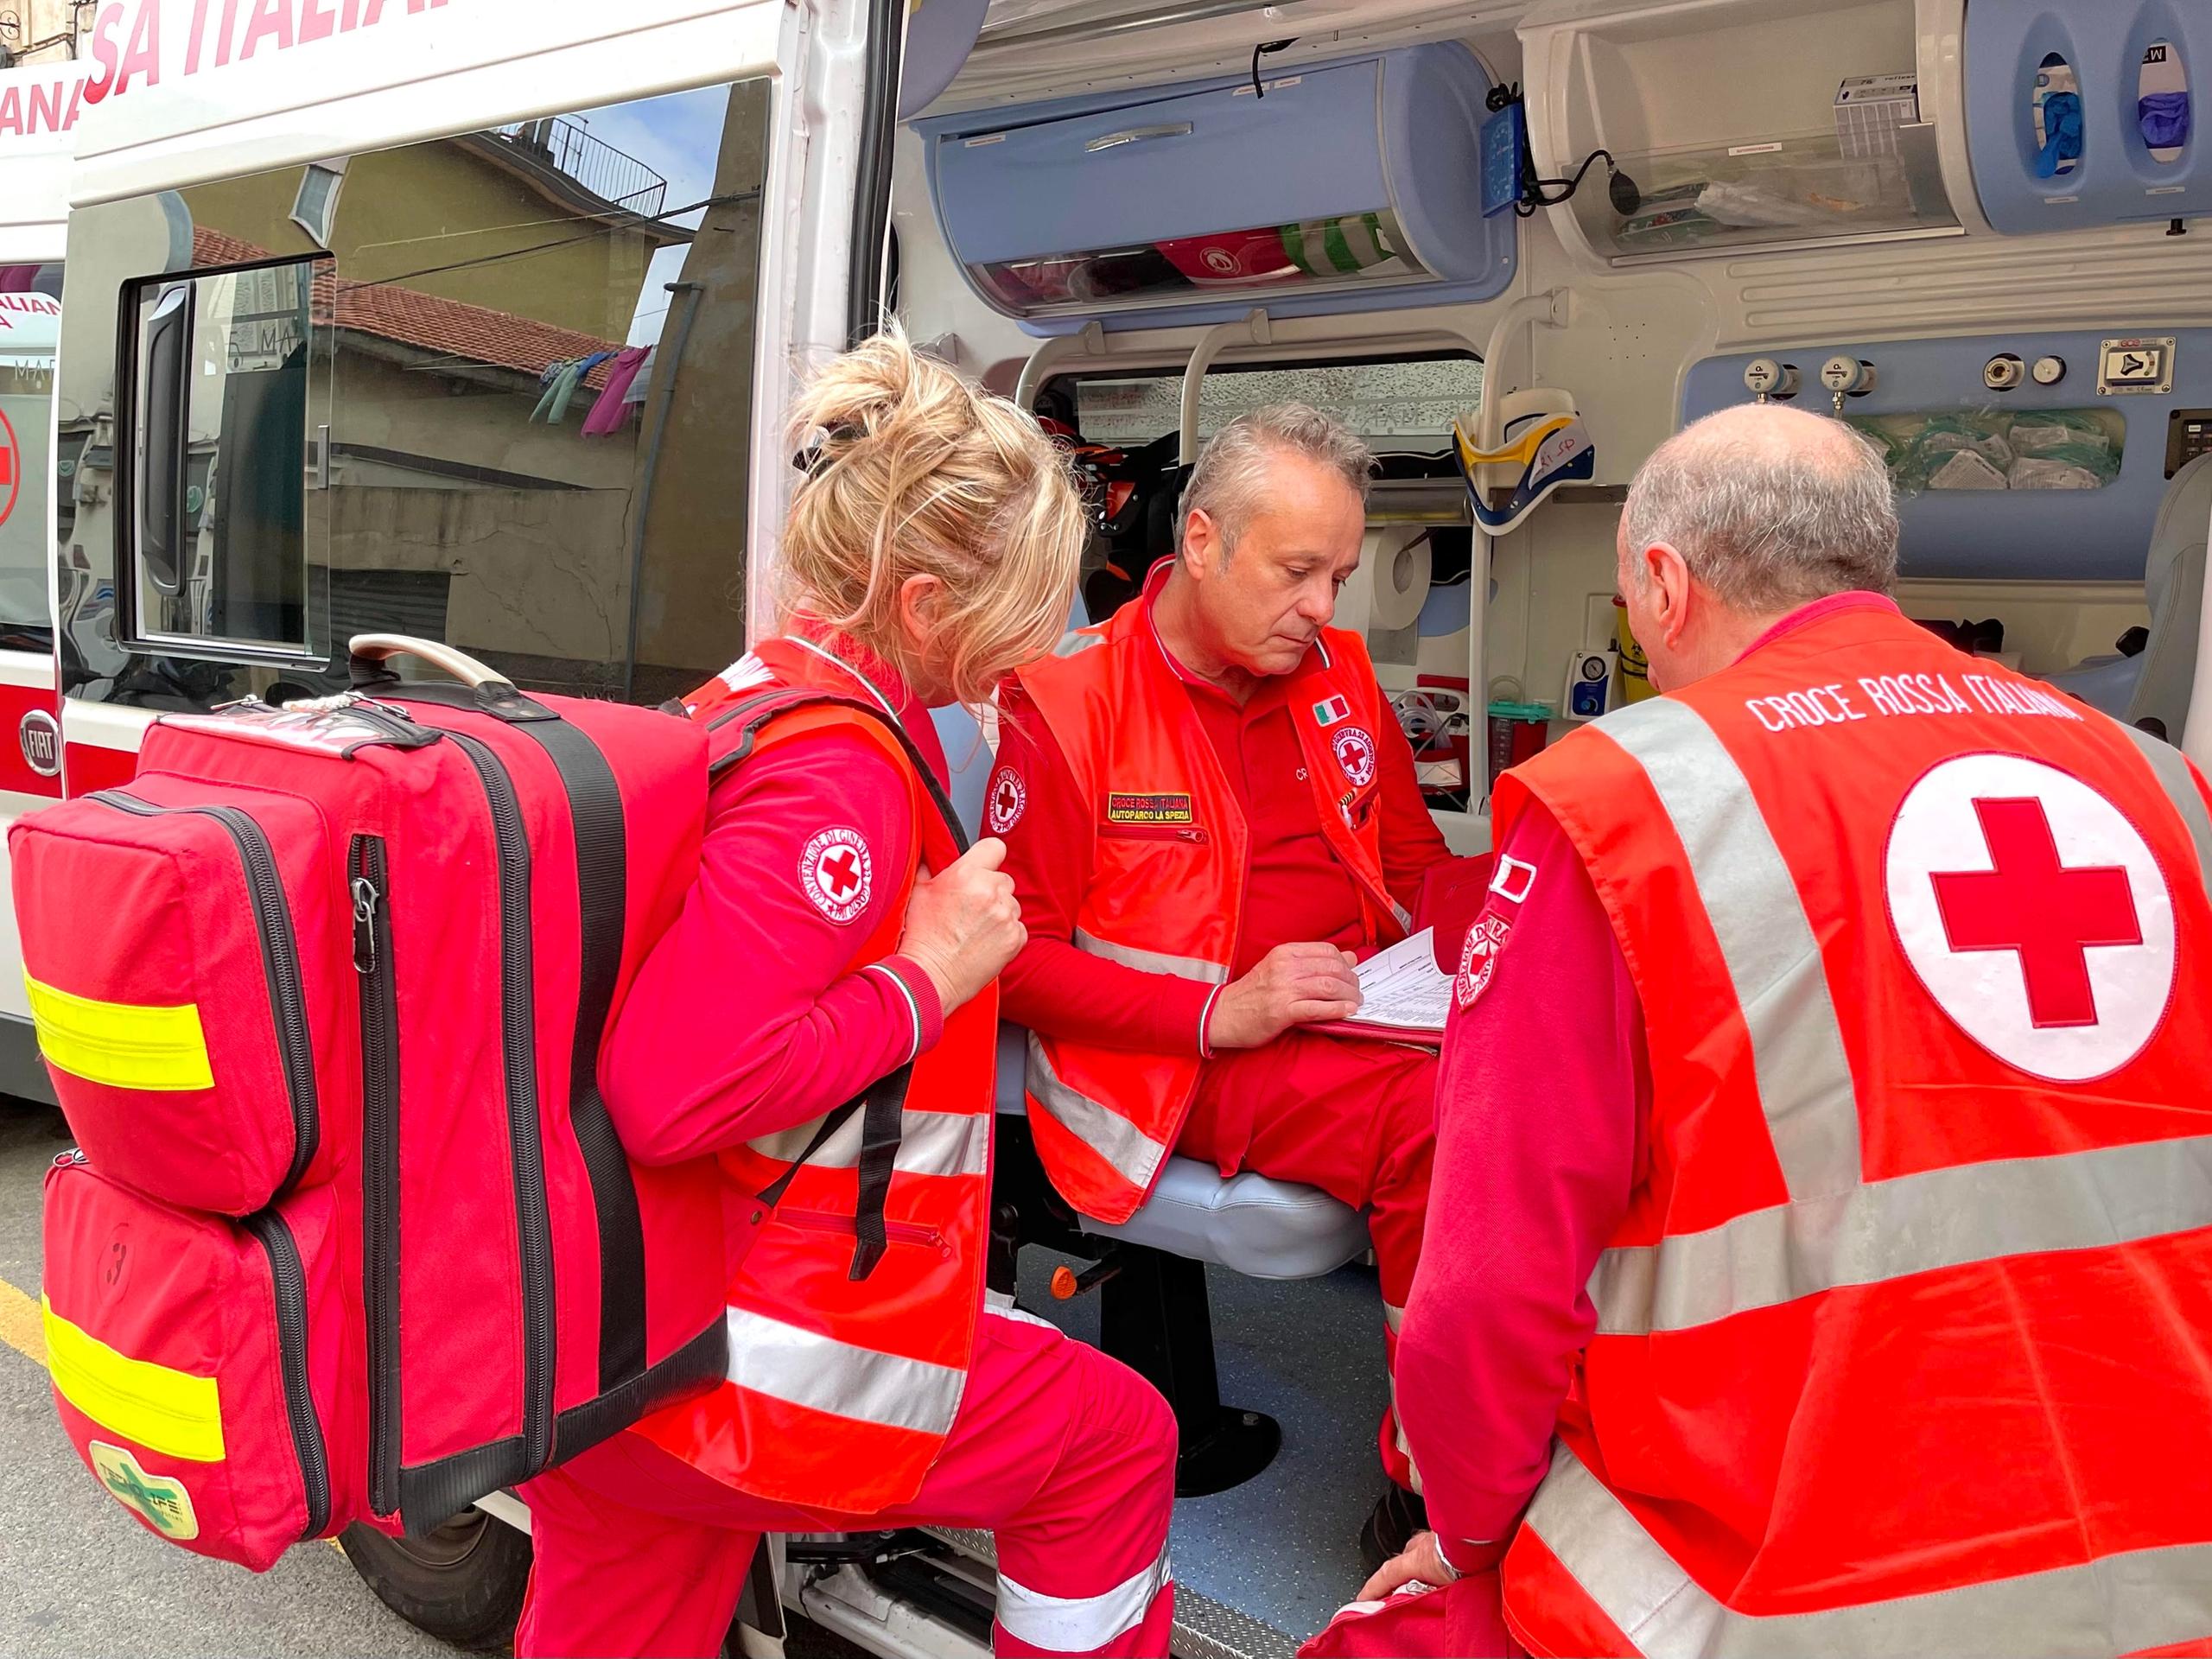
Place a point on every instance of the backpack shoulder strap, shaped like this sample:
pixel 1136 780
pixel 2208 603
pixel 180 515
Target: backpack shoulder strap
pixel 733 748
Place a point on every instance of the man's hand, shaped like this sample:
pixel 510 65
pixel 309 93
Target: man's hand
pixel 1422 1561
pixel 1292 985
pixel 963 924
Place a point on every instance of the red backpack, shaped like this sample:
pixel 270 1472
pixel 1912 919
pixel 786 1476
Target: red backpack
pixel 350 1235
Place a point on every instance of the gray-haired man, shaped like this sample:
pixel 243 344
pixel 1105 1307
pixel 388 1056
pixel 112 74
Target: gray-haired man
pixel 1210 815
pixel 1852 1207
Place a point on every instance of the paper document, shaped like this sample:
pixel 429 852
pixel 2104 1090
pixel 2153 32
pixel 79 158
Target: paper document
pixel 1402 989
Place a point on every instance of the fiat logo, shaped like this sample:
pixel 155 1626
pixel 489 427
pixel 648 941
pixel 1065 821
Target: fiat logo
pixel 40 736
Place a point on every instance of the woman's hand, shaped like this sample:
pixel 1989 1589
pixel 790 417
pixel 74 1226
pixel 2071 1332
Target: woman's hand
pixel 963 924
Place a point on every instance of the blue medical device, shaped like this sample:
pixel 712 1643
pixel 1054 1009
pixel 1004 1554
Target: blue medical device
pixel 1505 141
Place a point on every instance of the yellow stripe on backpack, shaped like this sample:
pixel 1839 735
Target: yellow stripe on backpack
pixel 167 1411
pixel 123 1044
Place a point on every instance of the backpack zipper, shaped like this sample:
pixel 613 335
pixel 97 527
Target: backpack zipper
pixel 366 881
pixel 280 962
pixel 285 1273
pixel 518 1024
pixel 899 1232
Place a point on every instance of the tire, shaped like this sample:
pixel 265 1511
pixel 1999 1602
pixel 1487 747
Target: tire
pixel 462 1583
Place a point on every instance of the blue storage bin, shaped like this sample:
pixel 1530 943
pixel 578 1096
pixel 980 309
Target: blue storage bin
pixel 1350 184
pixel 2117 177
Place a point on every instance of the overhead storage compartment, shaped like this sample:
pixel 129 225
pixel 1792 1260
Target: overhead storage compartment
pixel 2079 112
pixel 1348 185
pixel 1739 125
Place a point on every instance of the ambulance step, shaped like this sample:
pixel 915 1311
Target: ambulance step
pixel 1204 1628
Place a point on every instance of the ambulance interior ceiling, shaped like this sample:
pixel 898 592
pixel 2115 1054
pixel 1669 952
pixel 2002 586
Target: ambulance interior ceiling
pixel 1659 328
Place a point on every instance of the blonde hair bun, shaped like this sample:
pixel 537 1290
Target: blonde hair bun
pixel 914 472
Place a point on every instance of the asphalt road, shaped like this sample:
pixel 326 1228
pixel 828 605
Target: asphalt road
pixel 79 1576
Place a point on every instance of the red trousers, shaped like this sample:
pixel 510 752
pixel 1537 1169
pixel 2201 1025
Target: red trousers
pixel 1356 1120
pixel 1461 1621
pixel 1066 1456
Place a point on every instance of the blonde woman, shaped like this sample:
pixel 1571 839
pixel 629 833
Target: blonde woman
pixel 821 1020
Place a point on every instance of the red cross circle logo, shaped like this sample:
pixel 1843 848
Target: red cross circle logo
pixel 1355 755
pixel 12 467
pixel 1007 797
pixel 2034 913
pixel 837 874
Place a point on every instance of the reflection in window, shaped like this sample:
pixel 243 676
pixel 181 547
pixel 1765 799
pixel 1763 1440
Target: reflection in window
pixel 221 420
pixel 31 320
pixel 524 421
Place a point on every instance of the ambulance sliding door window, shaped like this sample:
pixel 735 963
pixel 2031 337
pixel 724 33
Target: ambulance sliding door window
pixel 30 318
pixel 543 386
pixel 227 419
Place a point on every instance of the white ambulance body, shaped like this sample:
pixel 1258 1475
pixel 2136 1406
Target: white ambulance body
pixel 479 319
pixel 38 105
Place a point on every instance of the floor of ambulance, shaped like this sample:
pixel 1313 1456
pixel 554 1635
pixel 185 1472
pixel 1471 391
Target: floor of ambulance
pixel 1283 1548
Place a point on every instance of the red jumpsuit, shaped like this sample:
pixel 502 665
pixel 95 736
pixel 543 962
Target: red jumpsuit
pixel 1353 1118
pixel 1065 1455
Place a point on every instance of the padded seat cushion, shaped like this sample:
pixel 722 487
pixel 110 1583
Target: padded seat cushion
pixel 1263 1228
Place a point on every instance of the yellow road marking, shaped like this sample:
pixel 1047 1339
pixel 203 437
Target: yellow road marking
pixel 19 1323
pixel 22 1329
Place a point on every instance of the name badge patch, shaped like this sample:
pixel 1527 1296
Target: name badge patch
pixel 1147 809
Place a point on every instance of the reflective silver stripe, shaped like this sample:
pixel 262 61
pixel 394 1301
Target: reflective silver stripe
pixel 805 1368
pixel 930 1143
pixel 2171 767
pixel 1394 1317
pixel 2119 1603
pixel 1153 962
pixel 1080 1623
pixel 914 1008
pixel 1134 1155
pixel 1749 895
pixel 1912 1223
pixel 1075 644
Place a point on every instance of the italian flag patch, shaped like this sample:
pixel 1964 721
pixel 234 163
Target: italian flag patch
pixel 1332 711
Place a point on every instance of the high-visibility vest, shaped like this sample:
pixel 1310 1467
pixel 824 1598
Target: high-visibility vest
pixel 843 1387
pixel 1903 1345
pixel 1167 864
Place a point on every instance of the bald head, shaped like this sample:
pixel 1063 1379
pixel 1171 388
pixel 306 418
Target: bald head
pixel 1770 507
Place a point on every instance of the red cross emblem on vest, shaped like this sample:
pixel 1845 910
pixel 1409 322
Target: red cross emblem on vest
pixel 837 874
pixel 2029 903
pixel 2034 913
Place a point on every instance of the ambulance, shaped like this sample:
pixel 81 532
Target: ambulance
pixel 478 320
pixel 38 105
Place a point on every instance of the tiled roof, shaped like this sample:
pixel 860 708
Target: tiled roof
pixel 474 334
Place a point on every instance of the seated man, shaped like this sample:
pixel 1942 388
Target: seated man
pixel 1210 812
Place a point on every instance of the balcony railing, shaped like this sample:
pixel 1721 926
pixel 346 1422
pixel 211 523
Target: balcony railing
pixel 594 165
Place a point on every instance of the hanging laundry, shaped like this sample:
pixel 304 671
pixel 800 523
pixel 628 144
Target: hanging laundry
pixel 642 381
pixel 554 404
pixel 607 414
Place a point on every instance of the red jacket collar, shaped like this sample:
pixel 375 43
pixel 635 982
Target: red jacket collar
pixel 1820 610
pixel 837 662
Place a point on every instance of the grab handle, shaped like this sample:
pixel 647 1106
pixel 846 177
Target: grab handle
pixel 369 649
pixel 1137 135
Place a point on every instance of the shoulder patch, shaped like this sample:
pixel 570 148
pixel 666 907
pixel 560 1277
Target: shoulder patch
pixel 1355 748
pixel 1479 958
pixel 1008 797
pixel 837 873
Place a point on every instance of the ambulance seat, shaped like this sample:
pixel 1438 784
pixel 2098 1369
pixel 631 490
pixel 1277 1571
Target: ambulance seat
pixel 2156 683
pixel 1261 1228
